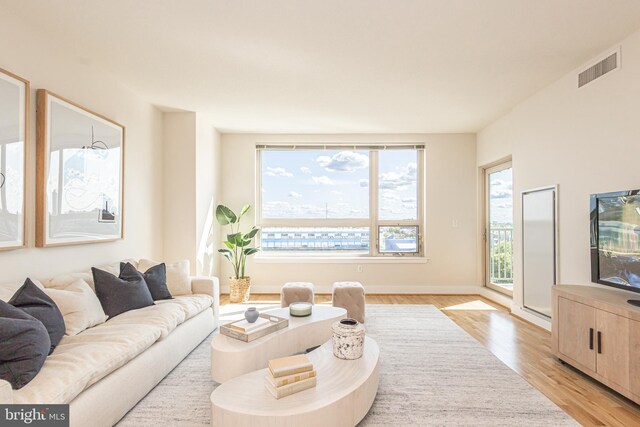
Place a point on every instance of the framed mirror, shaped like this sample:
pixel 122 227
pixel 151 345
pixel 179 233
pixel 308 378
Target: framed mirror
pixel 14 124
pixel 80 174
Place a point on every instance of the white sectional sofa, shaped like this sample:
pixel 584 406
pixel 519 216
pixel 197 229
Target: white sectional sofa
pixel 105 370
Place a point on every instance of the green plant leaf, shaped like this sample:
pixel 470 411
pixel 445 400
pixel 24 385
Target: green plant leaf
pixel 244 210
pixel 250 251
pixel 229 245
pixel 225 216
pixel 245 242
pixel 227 253
pixel 251 234
pixel 233 238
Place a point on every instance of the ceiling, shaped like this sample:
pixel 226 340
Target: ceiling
pixel 334 65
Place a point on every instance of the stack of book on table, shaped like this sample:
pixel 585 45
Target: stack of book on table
pixel 289 375
pixel 246 327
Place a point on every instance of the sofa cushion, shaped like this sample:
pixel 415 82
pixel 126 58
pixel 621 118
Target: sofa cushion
pixel 165 317
pixel 35 302
pixel 63 280
pixel 25 344
pixel 178 275
pixel 82 360
pixel 190 305
pixel 7 290
pixel 156 279
pixel 121 294
pixel 79 305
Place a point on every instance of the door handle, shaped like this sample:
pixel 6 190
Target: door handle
pixel 590 338
pixel 599 342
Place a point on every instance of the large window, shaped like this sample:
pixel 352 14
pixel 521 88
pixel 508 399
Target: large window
pixel 338 200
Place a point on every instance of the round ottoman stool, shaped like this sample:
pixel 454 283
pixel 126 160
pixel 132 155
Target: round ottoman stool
pixel 296 292
pixel 350 295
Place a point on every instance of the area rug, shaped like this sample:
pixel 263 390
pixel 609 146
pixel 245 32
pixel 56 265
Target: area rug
pixel 432 374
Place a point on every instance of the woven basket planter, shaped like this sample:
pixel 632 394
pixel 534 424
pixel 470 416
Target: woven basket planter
pixel 239 289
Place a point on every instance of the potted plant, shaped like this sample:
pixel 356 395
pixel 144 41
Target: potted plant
pixel 237 250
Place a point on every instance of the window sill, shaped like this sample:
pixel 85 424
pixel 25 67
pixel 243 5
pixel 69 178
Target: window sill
pixel 339 260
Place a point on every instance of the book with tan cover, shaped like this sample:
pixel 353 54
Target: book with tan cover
pixel 290 365
pixel 289 389
pixel 290 379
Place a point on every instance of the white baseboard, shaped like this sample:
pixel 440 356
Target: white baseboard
pixel 496 297
pixel 402 289
pixel 532 318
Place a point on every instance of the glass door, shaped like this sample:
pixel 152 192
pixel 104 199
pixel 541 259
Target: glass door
pixel 499 228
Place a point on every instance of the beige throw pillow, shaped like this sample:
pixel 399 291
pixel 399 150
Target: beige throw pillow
pixel 178 275
pixel 9 289
pixel 79 305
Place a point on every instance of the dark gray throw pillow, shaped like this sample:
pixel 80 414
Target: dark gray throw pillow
pixel 156 279
pixel 33 301
pixel 24 345
pixel 120 294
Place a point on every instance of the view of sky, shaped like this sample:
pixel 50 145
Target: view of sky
pixel 501 197
pixel 398 189
pixel 335 184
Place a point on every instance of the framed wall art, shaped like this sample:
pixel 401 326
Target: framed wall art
pixel 14 128
pixel 80 174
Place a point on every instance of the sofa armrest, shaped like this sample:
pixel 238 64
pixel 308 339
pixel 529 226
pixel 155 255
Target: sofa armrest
pixel 208 286
pixel 6 393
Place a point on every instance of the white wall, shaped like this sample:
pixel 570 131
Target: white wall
pixel 208 193
pixel 586 140
pixel 450 194
pixel 192 190
pixel 42 62
pixel 179 171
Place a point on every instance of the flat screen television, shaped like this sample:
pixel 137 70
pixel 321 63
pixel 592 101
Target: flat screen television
pixel 615 239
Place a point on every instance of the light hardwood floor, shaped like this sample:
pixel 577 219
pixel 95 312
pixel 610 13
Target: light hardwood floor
pixel 526 349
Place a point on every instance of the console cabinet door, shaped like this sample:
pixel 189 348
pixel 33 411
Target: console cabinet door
pixel 634 357
pixel 576 332
pixel 612 347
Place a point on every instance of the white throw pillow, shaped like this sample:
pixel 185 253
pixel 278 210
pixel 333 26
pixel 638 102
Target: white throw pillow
pixel 79 306
pixel 178 275
pixel 7 290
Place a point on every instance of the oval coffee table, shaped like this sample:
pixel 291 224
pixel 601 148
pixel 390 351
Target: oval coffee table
pixel 231 357
pixel 343 395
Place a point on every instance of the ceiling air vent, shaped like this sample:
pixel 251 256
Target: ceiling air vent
pixel 599 69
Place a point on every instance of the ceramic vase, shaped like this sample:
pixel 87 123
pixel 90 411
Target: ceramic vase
pixel 251 314
pixel 348 339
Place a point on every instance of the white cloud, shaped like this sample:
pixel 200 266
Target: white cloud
pixel 279 209
pixel 337 193
pixel 305 169
pixel 295 195
pixel 344 161
pixel 400 180
pixel 389 195
pixel 324 180
pixel 501 194
pixel 364 183
pixel 505 205
pixel 409 200
pixel 278 172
